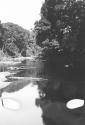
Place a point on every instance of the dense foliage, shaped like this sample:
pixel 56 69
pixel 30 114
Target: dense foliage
pixel 15 37
pixel 61 28
pixel 16 41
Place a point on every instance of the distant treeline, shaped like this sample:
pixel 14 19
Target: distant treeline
pixel 16 41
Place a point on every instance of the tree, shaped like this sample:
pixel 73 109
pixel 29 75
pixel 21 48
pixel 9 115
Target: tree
pixel 2 31
pixel 15 39
pixel 16 34
pixel 62 21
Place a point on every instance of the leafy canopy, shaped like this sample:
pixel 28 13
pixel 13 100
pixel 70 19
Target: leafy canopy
pixel 62 25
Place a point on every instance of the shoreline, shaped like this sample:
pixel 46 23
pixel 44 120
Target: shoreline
pixel 15 60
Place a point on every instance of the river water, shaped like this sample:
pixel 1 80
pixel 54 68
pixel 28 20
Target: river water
pixel 31 93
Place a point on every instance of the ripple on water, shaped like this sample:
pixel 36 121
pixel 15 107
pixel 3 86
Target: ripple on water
pixel 10 103
pixel 3 82
pixel 27 114
pixel 75 103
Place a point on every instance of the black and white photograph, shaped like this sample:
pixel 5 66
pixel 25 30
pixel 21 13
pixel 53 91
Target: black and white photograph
pixel 42 62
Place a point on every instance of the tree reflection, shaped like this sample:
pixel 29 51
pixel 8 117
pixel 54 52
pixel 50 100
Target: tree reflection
pixel 63 84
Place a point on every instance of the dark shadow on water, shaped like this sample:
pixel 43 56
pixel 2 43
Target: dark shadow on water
pixel 63 84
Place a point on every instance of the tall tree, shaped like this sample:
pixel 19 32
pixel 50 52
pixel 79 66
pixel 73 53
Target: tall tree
pixel 62 25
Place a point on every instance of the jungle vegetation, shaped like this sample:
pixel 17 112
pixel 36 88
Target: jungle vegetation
pixel 61 30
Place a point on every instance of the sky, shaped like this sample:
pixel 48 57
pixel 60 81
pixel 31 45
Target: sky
pixel 21 12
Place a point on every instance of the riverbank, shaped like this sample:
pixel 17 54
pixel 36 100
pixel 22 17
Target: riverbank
pixel 12 61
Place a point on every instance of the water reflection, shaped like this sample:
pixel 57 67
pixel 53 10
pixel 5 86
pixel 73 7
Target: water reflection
pixel 28 114
pixel 50 87
pixel 11 104
pixel 21 78
pixel 75 103
pixel 63 84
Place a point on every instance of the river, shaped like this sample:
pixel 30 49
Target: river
pixel 31 93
